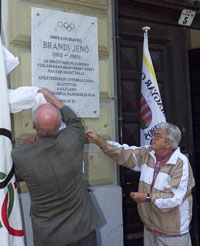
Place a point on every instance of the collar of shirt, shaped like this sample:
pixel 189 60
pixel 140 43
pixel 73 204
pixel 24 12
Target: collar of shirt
pixel 159 163
pixel 163 160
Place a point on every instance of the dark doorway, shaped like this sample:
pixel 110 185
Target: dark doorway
pixel 194 64
pixel 169 52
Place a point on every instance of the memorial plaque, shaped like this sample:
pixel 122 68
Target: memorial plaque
pixel 65 58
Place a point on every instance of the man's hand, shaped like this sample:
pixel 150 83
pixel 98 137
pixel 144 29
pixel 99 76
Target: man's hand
pixel 30 139
pixel 50 97
pixel 46 93
pixel 138 196
pixel 93 137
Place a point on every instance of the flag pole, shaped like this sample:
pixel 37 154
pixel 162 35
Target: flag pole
pixel 146 29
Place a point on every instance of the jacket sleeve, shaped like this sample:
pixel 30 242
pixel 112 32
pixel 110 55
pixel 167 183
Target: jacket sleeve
pixel 125 155
pixel 15 158
pixel 72 122
pixel 17 174
pixel 180 187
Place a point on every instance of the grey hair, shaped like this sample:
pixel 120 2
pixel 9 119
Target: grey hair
pixel 173 133
pixel 35 113
pixel 46 132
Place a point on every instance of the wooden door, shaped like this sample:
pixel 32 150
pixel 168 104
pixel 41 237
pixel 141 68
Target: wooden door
pixel 194 65
pixel 168 48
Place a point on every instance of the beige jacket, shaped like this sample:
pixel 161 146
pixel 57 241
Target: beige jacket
pixel 170 210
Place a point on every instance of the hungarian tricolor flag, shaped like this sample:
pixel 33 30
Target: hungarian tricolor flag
pixel 11 233
pixel 151 111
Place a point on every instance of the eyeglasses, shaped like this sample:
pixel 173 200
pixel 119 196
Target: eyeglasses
pixel 158 136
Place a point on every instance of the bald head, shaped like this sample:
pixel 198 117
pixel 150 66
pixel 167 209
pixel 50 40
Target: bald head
pixel 46 120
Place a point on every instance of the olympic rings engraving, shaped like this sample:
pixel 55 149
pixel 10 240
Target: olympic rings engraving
pixel 65 25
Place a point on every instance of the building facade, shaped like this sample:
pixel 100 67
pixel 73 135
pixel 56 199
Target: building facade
pixel 174 49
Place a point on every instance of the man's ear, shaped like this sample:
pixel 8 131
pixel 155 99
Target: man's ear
pixel 169 144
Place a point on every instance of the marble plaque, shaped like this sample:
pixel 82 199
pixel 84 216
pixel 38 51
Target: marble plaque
pixel 65 58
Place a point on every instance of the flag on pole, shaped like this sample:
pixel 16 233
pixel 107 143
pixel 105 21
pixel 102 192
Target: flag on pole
pixel 11 233
pixel 151 111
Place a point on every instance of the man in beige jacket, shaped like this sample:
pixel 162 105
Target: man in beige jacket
pixel 164 195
